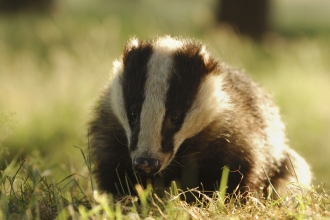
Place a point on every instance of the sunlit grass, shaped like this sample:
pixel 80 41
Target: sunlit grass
pixel 27 192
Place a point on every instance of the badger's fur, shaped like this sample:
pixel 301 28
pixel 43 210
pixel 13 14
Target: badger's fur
pixel 171 111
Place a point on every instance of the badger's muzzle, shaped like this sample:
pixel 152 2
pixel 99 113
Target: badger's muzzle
pixel 146 165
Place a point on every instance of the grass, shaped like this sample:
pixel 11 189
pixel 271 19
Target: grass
pixel 28 193
pixel 53 67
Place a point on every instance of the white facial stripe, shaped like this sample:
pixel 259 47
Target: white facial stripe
pixel 117 98
pixel 210 101
pixel 167 44
pixel 153 108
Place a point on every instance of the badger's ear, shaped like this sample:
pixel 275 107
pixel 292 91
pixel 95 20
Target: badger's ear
pixel 117 68
pixel 209 61
pixel 131 44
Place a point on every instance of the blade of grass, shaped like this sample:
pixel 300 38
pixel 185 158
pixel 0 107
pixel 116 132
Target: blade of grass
pixel 14 177
pixel 273 188
pixel 223 183
pixel 89 166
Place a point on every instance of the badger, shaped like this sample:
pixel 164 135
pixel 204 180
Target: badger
pixel 171 111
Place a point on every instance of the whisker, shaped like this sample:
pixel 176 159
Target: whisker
pixel 184 150
pixel 188 155
pixel 175 163
pixel 119 140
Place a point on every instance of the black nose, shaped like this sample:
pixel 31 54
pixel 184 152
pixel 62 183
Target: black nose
pixel 146 165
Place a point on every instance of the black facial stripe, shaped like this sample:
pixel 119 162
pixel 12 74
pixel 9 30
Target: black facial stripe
pixel 188 72
pixel 134 79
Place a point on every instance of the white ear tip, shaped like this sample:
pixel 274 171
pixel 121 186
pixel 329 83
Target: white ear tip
pixel 132 43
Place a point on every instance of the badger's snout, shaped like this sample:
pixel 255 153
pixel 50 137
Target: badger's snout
pixel 146 165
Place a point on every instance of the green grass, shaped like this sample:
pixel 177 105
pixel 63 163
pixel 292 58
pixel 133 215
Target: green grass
pixel 53 66
pixel 27 192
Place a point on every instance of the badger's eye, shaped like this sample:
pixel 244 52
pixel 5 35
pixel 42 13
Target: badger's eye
pixel 133 114
pixel 175 117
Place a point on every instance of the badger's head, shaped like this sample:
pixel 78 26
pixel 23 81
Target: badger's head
pixel 164 91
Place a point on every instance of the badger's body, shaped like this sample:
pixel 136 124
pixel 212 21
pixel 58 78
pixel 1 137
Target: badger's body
pixel 171 111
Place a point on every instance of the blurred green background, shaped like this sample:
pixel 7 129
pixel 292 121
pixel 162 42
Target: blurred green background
pixel 54 63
